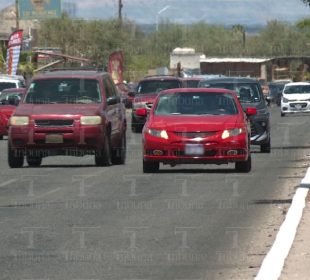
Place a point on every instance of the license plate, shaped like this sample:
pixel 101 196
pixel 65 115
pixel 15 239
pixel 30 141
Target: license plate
pixel 298 106
pixel 54 138
pixel 194 150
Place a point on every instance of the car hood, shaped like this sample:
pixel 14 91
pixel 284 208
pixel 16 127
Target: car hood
pixel 57 109
pixel 195 123
pixel 297 96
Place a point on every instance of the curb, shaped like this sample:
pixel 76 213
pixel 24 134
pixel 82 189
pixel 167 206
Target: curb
pixel 273 263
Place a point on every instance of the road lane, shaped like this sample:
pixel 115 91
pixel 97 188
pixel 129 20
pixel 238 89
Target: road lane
pixel 71 220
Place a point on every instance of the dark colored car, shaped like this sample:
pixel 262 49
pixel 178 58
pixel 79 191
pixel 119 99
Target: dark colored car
pixel 250 95
pixel 146 93
pixel 125 91
pixel 197 125
pixel 275 92
pixel 72 113
pixel 8 101
pixel 191 82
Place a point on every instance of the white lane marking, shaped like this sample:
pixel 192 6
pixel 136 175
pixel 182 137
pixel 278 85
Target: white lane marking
pixel 273 263
pixel 47 193
pixel 7 182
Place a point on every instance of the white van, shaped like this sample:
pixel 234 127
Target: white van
pixel 11 81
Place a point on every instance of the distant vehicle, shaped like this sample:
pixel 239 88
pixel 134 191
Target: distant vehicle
pixel 196 125
pixel 124 89
pixel 275 91
pixel 250 95
pixel 8 101
pixel 191 82
pixel 71 113
pixel 295 98
pixel 11 81
pixel 146 92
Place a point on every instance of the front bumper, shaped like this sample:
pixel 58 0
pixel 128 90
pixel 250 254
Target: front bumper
pixel 295 107
pixel 75 137
pixel 213 153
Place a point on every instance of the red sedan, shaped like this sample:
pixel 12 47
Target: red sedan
pixel 196 125
pixel 7 107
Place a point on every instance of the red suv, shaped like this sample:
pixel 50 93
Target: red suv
pixel 67 112
pixel 196 125
pixel 146 92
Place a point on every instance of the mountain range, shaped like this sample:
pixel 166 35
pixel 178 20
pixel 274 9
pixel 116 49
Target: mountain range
pixel 227 12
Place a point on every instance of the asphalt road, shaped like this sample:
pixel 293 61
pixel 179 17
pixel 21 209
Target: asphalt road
pixel 71 220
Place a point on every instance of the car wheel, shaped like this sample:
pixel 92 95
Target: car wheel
pixel 119 154
pixel 244 166
pixel 103 157
pixel 15 158
pixel 282 114
pixel 1 137
pixel 150 166
pixel 34 161
pixel 265 148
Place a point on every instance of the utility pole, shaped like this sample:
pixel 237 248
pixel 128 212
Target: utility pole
pixel 17 14
pixel 120 7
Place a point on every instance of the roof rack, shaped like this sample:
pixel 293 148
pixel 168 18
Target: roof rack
pixel 80 68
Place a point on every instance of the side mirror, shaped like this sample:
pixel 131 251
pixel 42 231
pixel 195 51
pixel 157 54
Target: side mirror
pixel 113 100
pixel 141 112
pixel 13 100
pixel 131 94
pixel 251 111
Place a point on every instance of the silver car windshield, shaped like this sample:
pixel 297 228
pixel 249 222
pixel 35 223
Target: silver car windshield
pixel 297 89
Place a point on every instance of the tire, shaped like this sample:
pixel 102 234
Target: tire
pixel 15 158
pixel 1 137
pixel 150 166
pixel 244 166
pixel 282 114
pixel 34 161
pixel 103 157
pixel 265 148
pixel 119 154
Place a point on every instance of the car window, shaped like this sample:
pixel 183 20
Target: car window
pixel 156 86
pixel 196 103
pixel 4 85
pixel 297 89
pixel 4 98
pixel 66 90
pixel 247 92
pixel 190 83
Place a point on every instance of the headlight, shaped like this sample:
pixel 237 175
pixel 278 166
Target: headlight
pixel 90 120
pixel 158 133
pixel 19 120
pixel 284 100
pixel 138 105
pixel 232 132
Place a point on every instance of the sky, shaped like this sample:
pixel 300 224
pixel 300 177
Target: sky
pixel 246 12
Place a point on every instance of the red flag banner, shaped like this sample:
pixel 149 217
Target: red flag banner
pixel 116 66
pixel 13 51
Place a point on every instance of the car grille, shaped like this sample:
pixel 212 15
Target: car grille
pixel 195 134
pixel 45 123
pixel 303 105
pixel 208 153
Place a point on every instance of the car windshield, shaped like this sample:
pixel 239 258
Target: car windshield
pixel 196 103
pixel 68 90
pixel 4 85
pixel 247 92
pixel 300 89
pixel 156 86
